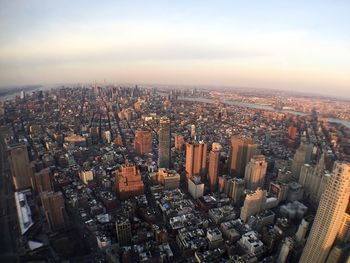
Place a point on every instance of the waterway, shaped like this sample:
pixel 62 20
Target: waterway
pixel 259 107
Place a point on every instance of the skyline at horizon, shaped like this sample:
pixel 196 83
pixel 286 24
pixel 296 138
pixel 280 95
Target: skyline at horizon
pixel 288 46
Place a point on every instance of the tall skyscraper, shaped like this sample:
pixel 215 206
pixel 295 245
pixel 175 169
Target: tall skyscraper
pixel 242 150
pixel 196 160
pixel 214 157
pixel 20 167
pixel 301 157
pixel 164 154
pixel 237 190
pixel 42 181
pixel 329 216
pixel 54 209
pixel 255 172
pixel 128 181
pixel 143 142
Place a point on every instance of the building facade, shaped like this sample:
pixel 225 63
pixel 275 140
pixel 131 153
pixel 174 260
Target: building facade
pixel 164 151
pixel 329 216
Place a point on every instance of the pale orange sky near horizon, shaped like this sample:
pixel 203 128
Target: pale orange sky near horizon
pixel 226 43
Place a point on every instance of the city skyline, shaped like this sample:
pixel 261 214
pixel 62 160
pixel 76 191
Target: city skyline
pixel 289 46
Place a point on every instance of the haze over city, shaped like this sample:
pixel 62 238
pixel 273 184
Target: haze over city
pixel 294 45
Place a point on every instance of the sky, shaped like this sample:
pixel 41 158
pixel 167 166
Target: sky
pixel 290 45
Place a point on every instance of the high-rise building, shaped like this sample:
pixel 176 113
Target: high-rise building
pixel 123 227
pixel 254 203
pixel 42 181
pixel 286 248
pixel 302 230
pixel 314 180
pixel 164 153
pixel 54 209
pixel 242 150
pixel 255 172
pixel 195 187
pixel 196 159
pixel 329 216
pixel 237 190
pixel 214 158
pixel 292 133
pixel 179 142
pixel 301 157
pixel 143 142
pixel 193 131
pixel 20 167
pixel 343 235
pixel 128 181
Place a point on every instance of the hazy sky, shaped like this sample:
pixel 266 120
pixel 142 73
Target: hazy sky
pixel 295 45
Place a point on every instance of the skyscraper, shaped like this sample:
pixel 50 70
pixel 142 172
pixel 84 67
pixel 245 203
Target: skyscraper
pixel 54 209
pixel 314 180
pixel 164 143
pixel 42 181
pixel 196 159
pixel 20 167
pixel 329 216
pixel 123 227
pixel 143 142
pixel 179 142
pixel 242 150
pixel 237 190
pixel 214 157
pixel 254 203
pixel 193 131
pixel 255 172
pixel 301 156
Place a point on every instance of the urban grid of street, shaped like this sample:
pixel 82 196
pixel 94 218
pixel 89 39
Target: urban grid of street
pixel 107 119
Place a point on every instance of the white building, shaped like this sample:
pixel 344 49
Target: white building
pixel 195 187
